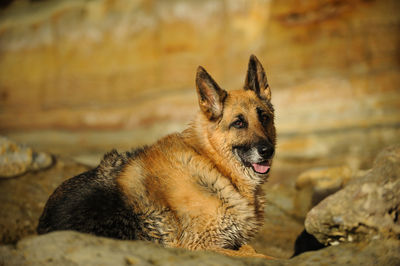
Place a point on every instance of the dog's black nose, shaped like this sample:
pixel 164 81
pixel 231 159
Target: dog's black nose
pixel 266 151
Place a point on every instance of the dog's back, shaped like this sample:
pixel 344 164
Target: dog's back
pixel 92 203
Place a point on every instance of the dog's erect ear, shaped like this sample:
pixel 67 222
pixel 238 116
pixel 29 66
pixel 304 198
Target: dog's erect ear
pixel 256 80
pixel 211 96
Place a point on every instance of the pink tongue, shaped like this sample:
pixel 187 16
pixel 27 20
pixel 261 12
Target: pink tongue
pixel 261 168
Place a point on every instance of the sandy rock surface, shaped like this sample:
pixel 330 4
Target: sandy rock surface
pixel 22 198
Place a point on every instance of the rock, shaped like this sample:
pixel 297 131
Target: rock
pixel 377 252
pixel 367 208
pixel 324 178
pixel 16 159
pixel 41 160
pixel 22 199
pixel 315 184
pixel 72 248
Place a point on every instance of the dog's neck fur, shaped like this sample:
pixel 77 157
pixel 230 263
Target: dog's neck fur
pixel 196 134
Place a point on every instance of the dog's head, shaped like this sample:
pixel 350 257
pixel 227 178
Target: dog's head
pixel 240 124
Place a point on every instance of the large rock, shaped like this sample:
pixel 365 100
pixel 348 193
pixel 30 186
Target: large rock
pixel 72 248
pixel 367 208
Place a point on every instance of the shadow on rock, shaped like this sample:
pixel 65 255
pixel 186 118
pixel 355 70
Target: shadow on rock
pixel 306 242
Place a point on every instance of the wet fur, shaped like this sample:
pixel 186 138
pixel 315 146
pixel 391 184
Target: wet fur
pixel 189 189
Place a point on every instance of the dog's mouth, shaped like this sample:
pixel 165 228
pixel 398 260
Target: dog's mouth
pixel 251 158
pixel 262 167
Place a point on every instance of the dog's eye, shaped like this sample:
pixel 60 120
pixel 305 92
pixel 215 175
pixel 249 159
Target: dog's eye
pixel 265 118
pixel 239 123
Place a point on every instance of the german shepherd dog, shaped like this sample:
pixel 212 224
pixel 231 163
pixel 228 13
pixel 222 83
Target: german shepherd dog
pixel 199 189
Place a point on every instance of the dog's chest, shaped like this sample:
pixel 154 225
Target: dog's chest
pixel 216 215
pixel 239 220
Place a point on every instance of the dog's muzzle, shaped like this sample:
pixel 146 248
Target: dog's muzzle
pixel 258 156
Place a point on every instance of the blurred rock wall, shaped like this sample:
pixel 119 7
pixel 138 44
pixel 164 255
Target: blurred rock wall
pixel 69 67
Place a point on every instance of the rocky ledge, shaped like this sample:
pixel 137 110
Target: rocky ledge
pixel 72 248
